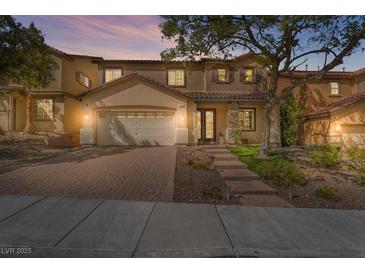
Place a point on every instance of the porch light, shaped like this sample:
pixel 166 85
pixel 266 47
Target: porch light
pixel 338 128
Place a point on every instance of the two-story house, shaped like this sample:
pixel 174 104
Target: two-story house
pixel 146 102
pixel 152 102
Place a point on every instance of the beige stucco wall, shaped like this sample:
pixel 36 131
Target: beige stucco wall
pixel 317 94
pixel 4 112
pixel 235 84
pixel 82 64
pixel 158 72
pixel 359 84
pixel 73 115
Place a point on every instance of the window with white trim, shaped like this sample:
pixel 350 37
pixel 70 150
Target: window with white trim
pixel 335 90
pixel 176 77
pixel 246 119
pixel 43 109
pixel 111 74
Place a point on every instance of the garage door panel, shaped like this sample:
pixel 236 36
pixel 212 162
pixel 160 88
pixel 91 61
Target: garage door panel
pixel 139 128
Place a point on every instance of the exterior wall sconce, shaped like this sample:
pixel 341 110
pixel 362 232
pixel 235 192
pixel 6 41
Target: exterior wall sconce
pixel 338 128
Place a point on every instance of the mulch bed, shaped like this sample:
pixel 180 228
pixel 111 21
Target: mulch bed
pixel 350 195
pixel 198 185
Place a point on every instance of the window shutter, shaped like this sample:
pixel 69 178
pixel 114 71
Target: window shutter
pixel 255 76
pixel 242 74
pixel 230 74
pixel 77 76
pixel 214 74
pixel 90 83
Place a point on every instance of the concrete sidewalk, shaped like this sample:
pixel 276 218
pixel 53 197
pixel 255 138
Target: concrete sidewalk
pixel 71 227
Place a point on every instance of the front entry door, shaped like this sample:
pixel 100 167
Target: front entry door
pixel 206 125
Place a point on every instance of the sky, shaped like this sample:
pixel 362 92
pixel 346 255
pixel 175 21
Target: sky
pixel 125 37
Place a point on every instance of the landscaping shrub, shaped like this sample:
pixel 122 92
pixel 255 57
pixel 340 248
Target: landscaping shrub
pixel 281 172
pixel 236 136
pixel 213 193
pixel 197 164
pixel 357 159
pixel 328 192
pixel 324 155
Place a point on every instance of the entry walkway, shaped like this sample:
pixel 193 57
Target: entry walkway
pixel 72 227
pixel 242 182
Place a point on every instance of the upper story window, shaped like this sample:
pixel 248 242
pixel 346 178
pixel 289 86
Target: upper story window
pixel 83 79
pixel 335 90
pixel 43 109
pixel 112 74
pixel 248 74
pixel 222 75
pixel 176 77
pixel 246 119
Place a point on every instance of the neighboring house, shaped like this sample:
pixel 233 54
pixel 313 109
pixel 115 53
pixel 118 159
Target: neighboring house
pixel 334 107
pixel 152 102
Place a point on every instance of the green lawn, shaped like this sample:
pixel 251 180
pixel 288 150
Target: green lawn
pixel 247 155
pixel 278 168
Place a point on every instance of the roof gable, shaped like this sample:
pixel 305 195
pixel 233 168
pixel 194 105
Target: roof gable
pixel 157 85
pixel 337 106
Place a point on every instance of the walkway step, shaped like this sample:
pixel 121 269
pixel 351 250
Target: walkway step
pixel 250 187
pixel 224 156
pixel 229 164
pixel 263 201
pixel 214 146
pixel 238 174
pixel 216 150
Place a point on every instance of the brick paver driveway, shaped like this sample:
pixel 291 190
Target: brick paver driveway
pixel 100 172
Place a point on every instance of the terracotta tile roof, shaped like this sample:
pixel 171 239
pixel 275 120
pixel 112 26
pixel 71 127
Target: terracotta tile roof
pixel 151 61
pixel 336 106
pixel 330 74
pixel 224 96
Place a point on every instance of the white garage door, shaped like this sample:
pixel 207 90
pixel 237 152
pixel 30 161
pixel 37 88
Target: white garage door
pixel 135 128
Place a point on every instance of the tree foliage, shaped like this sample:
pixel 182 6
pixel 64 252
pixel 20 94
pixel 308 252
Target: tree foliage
pixel 281 43
pixel 291 111
pixel 25 59
pixel 24 56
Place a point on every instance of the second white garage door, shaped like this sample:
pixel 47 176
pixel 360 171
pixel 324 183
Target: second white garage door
pixel 135 128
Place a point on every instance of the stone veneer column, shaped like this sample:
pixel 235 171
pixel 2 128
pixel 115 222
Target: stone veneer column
pixel 232 120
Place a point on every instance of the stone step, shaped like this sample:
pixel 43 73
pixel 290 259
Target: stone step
pixel 229 164
pixel 216 150
pixel 250 187
pixel 263 201
pixel 224 156
pixel 238 174
pixel 213 146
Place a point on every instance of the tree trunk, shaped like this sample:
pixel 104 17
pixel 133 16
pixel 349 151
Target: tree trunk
pixel 268 113
pixel 29 127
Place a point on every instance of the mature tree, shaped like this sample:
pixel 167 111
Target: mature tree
pixel 281 43
pixel 25 59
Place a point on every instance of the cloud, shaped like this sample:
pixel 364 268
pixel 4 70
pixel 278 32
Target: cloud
pixel 108 36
